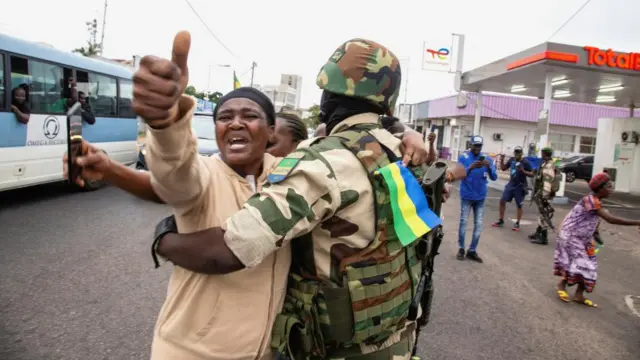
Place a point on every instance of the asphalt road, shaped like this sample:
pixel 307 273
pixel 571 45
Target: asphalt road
pixel 78 283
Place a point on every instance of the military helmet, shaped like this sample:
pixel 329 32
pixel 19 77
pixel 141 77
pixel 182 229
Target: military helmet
pixel 363 69
pixel 547 150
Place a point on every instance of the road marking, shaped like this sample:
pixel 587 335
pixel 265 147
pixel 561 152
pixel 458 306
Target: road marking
pixel 604 200
pixel 612 205
pixel 630 303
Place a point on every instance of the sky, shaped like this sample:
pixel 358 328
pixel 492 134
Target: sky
pixel 297 37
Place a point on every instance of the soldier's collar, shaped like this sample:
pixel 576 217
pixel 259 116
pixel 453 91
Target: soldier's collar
pixel 365 118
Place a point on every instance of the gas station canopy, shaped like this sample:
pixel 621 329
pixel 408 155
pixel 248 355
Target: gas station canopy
pixel 580 74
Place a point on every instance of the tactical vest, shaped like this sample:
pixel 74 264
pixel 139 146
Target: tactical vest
pixel 331 319
pixel 554 181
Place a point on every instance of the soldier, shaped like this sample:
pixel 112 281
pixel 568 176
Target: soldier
pixel 351 279
pixel 545 187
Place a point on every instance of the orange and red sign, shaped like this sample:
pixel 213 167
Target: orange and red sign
pixel 612 59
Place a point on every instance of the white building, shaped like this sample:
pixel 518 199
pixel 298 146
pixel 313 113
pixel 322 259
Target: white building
pixel 508 121
pixel 286 94
pixel 294 81
pixel 281 95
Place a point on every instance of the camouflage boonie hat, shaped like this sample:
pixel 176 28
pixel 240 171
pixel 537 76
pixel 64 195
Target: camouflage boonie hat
pixel 365 69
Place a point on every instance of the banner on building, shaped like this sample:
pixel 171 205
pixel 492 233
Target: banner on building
pixel 437 54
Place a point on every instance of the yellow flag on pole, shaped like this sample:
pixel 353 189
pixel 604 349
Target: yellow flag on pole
pixel 236 82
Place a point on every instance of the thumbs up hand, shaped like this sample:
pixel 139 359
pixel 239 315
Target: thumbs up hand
pixel 159 83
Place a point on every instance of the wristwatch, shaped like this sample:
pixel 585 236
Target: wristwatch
pixel 164 227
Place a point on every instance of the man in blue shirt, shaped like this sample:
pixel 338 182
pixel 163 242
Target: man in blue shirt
pixel 473 192
pixel 520 168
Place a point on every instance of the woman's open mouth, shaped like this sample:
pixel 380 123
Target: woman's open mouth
pixel 237 143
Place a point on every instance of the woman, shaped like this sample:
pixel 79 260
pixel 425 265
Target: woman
pixel 288 133
pixel 575 256
pixel 19 104
pixel 209 317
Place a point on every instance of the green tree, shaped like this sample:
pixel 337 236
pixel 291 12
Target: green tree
pixel 214 96
pixel 191 90
pixel 93 47
pixel 211 96
pixel 313 119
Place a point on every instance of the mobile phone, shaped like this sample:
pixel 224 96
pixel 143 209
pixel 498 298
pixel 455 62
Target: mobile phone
pixel 74 140
pixel 433 128
pixel 481 158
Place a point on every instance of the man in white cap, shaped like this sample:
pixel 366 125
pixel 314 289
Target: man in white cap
pixel 473 192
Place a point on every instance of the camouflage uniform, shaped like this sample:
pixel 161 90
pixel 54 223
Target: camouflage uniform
pixel 320 199
pixel 543 183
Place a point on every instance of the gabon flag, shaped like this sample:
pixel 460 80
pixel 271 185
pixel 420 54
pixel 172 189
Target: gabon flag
pixel 236 82
pixel 412 217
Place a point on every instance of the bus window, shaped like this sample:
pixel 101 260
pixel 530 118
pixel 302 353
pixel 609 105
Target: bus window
pixel 103 95
pixel 82 82
pixel 20 75
pixel 47 84
pixel 1 82
pixel 126 99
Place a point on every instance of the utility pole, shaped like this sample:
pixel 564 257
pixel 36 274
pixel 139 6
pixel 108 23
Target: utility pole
pixel 253 67
pixel 406 83
pixel 104 23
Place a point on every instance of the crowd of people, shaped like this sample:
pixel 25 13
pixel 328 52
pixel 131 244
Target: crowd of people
pixel 69 96
pixel 578 236
pixel 287 246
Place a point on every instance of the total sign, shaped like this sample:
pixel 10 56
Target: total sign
pixel 612 59
pixel 45 130
pixel 436 55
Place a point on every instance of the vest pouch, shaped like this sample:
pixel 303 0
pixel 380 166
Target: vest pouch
pixel 297 332
pixel 381 291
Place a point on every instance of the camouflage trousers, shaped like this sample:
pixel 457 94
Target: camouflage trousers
pixel 541 223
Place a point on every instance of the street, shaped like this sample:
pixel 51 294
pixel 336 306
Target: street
pixel 79 283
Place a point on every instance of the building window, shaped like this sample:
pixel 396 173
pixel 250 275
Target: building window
pixel 125 103
pixel 101 91
pixel 587 144
pixel 48 84
pixel 562 142
pixel 291 99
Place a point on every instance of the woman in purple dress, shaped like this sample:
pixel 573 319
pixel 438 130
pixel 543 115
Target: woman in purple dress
pixel 575 255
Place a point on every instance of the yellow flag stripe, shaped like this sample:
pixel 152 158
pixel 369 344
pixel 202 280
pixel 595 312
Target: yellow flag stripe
pixel 406 205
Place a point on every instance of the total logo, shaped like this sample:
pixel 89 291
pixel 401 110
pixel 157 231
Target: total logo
pixel 440 54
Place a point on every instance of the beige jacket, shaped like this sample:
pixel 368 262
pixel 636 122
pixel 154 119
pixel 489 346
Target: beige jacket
pixel 212 317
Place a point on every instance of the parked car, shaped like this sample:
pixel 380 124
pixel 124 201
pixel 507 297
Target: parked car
pixel 577 167
pixel 203 128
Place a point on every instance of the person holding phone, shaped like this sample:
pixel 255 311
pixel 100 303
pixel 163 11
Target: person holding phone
pixel 473 192
pixel 520 169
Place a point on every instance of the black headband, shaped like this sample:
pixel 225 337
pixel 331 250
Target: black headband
pixel 254 95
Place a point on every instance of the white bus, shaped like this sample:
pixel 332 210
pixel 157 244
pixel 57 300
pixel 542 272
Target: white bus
pixel 31 154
